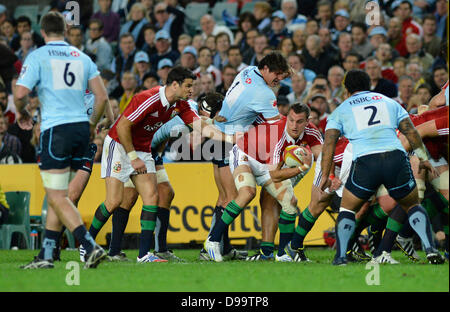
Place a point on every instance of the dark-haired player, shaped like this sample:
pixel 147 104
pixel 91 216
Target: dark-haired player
pixel 369 120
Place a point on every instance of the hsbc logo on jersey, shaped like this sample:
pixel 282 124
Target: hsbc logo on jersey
pixel 274 103
pixel 248 80
pixel 155 127
pixel 376 97
pixel 74 53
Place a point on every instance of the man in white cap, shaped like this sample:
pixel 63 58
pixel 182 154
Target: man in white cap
pixel 163 48
pixel 278 29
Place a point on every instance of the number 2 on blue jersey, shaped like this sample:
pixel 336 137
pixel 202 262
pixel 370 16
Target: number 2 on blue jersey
pixel 367 116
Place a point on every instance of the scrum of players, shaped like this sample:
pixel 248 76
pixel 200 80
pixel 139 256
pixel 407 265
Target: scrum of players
pixel 261 128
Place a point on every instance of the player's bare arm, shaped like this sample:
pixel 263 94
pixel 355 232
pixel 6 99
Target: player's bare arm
pixel 124 132
pixel 279 174
pixel 407 128
pixel 101 101
pixel 329 145
pixel 438 100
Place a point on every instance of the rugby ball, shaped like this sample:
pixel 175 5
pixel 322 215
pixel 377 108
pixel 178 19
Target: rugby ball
pixel 297 156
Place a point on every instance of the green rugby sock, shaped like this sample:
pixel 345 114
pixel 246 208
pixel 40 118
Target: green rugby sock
pixel 101 216
pixel 148 223
pixel 286 225
pixel 305 223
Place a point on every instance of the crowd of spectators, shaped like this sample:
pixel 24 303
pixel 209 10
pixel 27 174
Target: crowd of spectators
pixel 399 43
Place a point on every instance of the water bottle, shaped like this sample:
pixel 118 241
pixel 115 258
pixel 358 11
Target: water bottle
pixel 34 239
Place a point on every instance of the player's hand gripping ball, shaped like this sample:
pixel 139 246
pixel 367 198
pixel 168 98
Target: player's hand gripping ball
pixel 298 156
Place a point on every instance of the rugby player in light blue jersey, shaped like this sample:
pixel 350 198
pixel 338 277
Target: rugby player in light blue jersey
pixel 61 74
pixel 249 100
pixel 369 120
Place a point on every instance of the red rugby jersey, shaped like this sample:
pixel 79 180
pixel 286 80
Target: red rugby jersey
pixel 149 110
pixel 339 151
pixel 267 141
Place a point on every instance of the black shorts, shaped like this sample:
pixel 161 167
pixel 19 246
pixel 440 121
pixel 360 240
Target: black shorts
pixel 88 160
pixel 221 157
pixel 392 169
pixel 64 146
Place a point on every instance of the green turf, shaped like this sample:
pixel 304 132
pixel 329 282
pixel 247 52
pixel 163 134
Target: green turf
pixel 235 276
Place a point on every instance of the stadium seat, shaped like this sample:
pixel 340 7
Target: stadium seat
pixel 193 12
pixel 248 7
pixel 41 227
pixel 219 7
pixel 18 219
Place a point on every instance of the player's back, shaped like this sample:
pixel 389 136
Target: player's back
pixel 369 121
pixel 61 73
pixel 247 99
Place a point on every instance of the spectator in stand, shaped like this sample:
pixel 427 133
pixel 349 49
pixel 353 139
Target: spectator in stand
pixel 163 49
pixel 184 40
pixel 164 66
pixel 439 77
pixel 314 116
pixel 209 27
pixel 129 86
pixel 324 13
pixel 441 18
pixel 222 46
pixel 299 89
pixel 312 27
pixel 189 58
pixel 297 63
pixel 149 46
pixel 399 66
pixel 170 19
pixel 8 110
pixel 136 19
pixel 278 29
pixel 286 46
pixel 360 40
pixel 414 48
pixel 3 14
pixel 293 19
pixel 341 24
pixel 261 42
pixel 377 82
pixel 431 42
pixel 325 42
pixel 247 22
pixel 10 142
pixel 235 58
pixel 377 36
pixel 384 55
pixel 7 156
pixel 9 67
pixel 205 65
pixel 315 58
pixel 110 19
pixel 23 24
pixel 345 46
pixel 228 75
pixel 351 61
pixel 415 71
pixel 150 80
pixel 335 77
pixel 141 66
pixel 124 60
pixel 299 38
pixel 421 97
pixel 394 31
pixel 262 12
pixel 403 10
pixel 249 50
pixel 319 101
pixel 98 45
pixel 405 91
pixel 210 42
pixel 319 85
pixel 26 46
pixel 8 29
pixel 207 82
pixel 75 38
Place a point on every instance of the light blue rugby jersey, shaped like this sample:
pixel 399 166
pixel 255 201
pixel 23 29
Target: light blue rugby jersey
pixel 61 73
pixel 369 120
pixel 247 98
pixel 172 128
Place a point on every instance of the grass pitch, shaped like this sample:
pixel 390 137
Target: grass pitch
pixel 233 276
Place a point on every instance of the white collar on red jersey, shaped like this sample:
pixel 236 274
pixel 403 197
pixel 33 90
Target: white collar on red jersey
pixel 162 95
pixel 289 139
